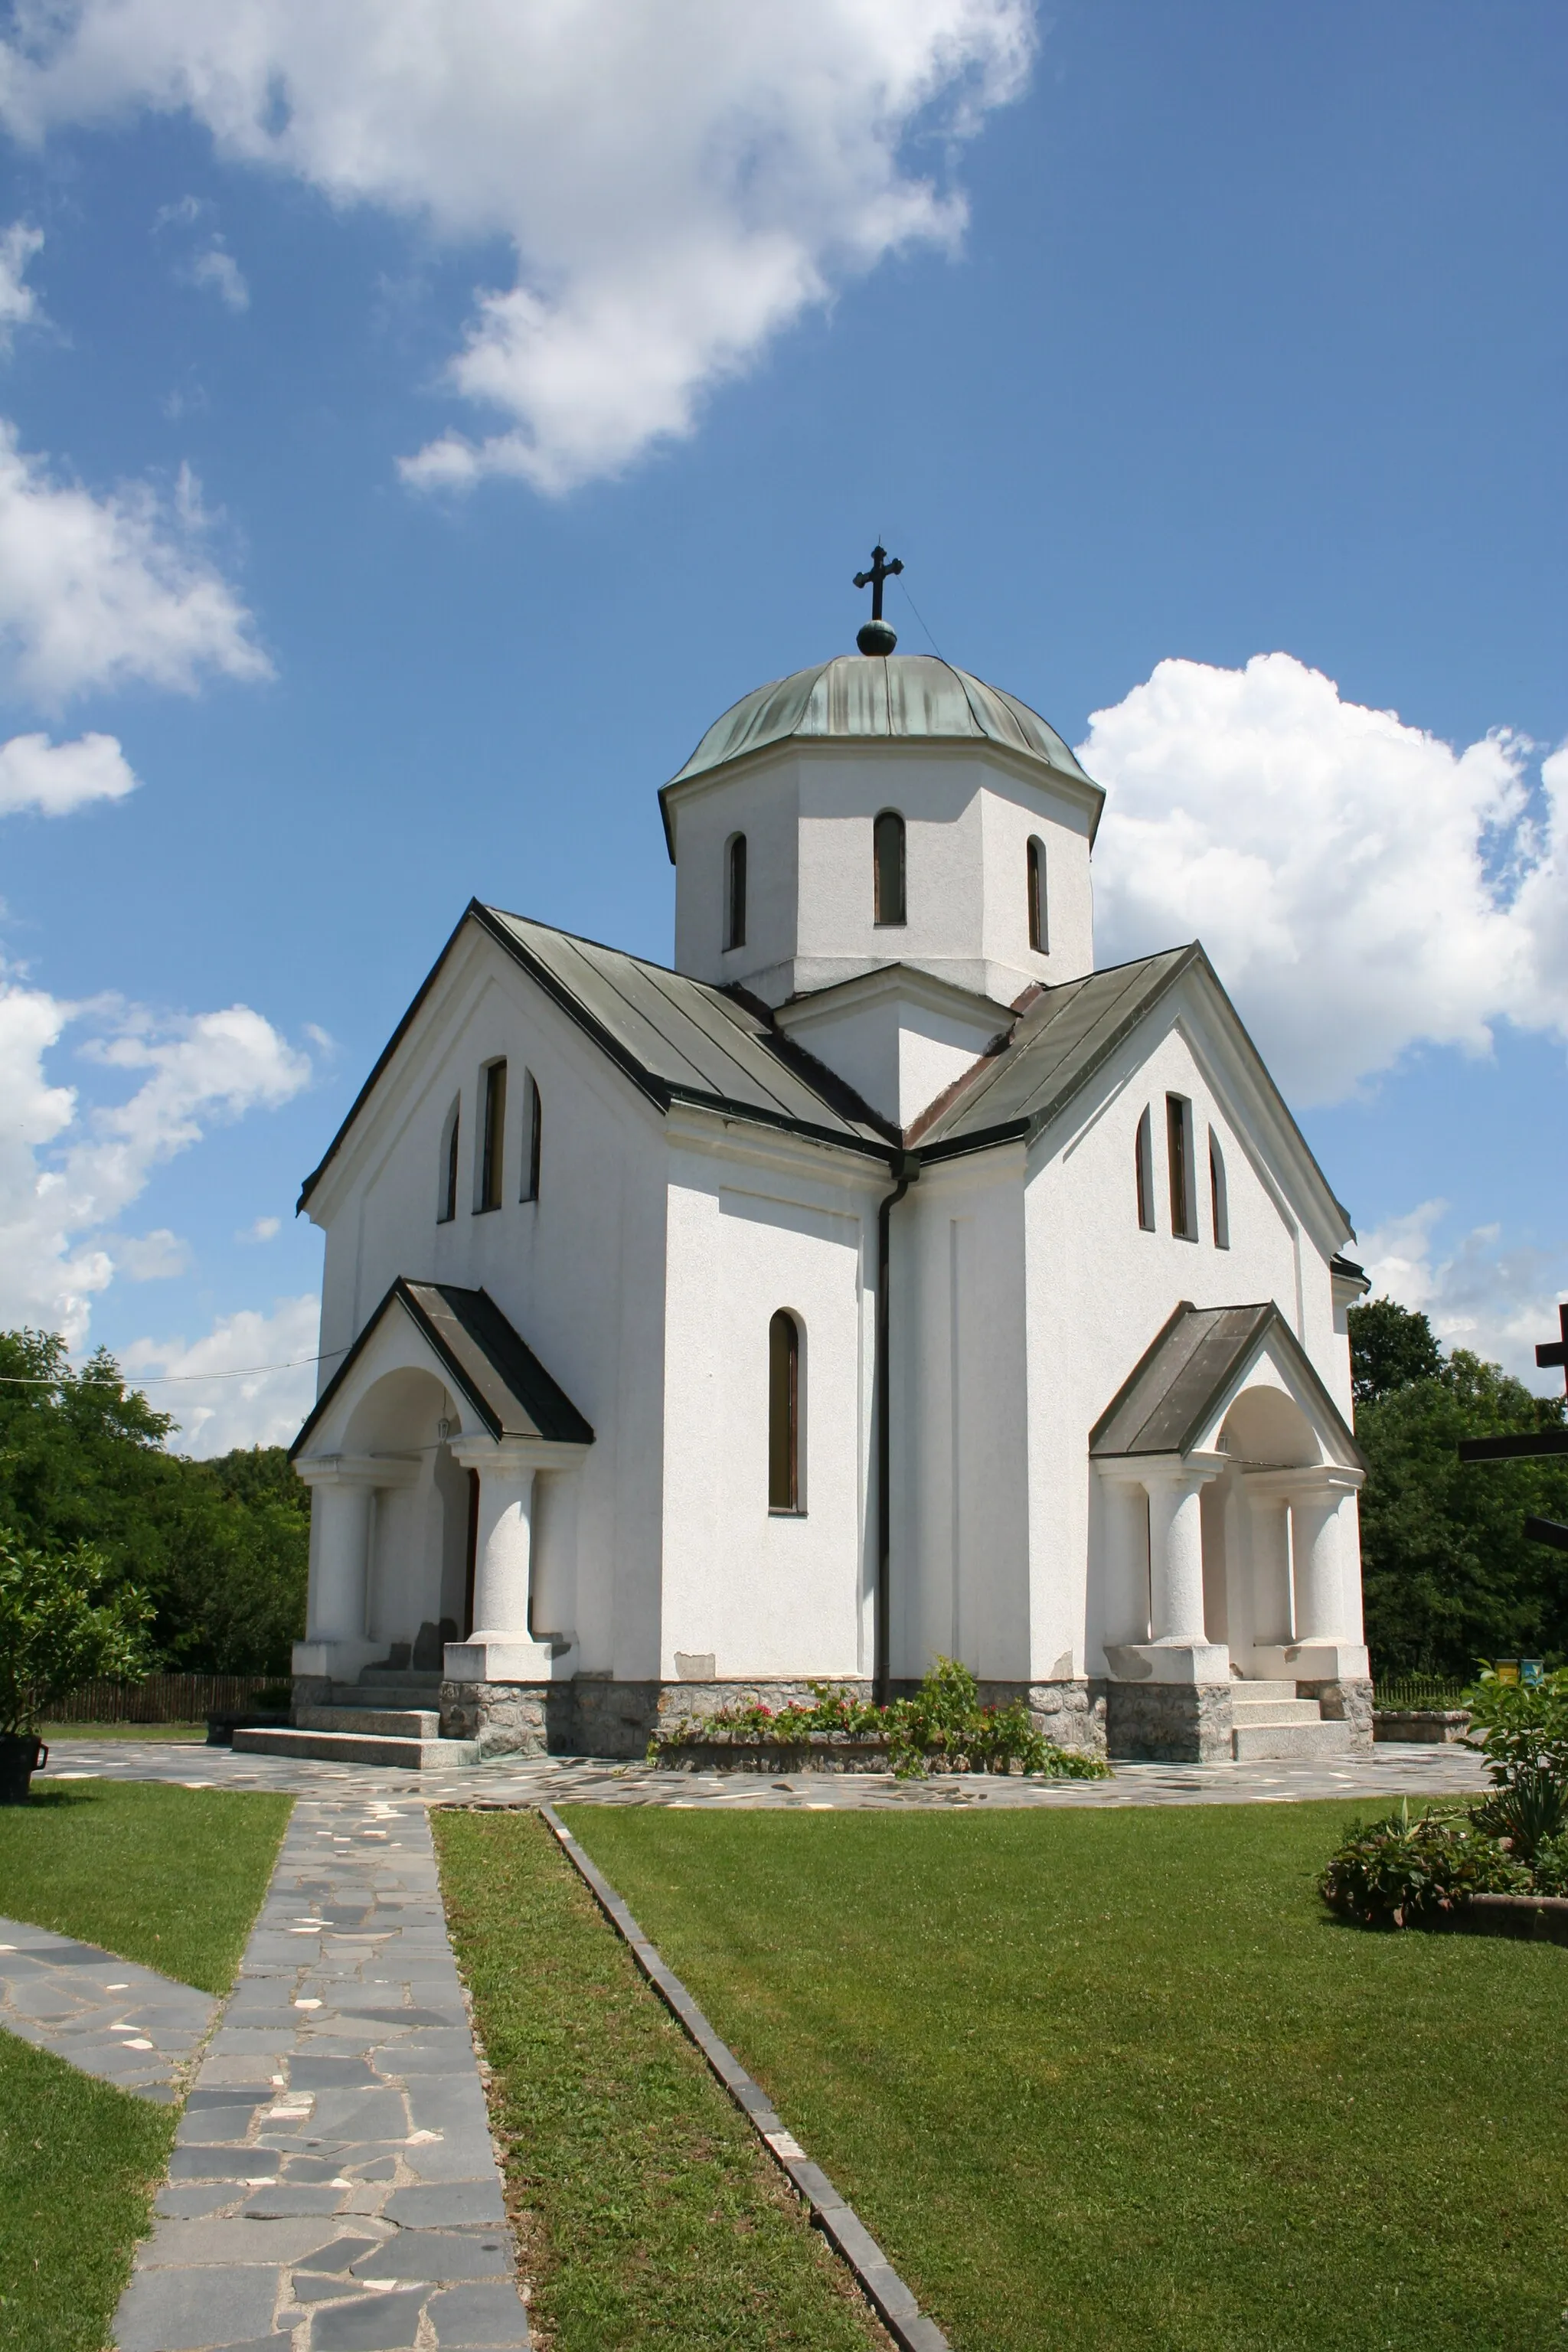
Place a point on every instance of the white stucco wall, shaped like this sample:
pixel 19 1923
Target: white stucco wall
pixel 752 1229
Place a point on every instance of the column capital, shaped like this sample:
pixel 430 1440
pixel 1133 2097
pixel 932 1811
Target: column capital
pixel 358 1469
pixel 511 1457
pixel 1309 1482
pixel 1180 1472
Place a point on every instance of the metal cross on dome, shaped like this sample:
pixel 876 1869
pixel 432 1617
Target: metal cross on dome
pixel 877 635
pixel 1549 1354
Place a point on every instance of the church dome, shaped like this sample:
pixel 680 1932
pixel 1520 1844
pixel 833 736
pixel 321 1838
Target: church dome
pixel 911 698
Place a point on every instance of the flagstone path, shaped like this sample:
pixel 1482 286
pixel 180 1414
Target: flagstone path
pixel 333 2187
pixel 135 2028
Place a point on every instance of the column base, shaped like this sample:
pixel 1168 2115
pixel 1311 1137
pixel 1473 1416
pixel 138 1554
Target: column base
pixel 334 1660
pixel 1311 1662
pixel 1169 1722
pixel 1070 1714
pixel 1169 1661
pixel 500 1658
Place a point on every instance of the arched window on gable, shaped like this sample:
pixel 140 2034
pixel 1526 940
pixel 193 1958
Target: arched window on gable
pixel 1178 1138
pixel 533 1132
pixel 888 865
pixel 1219 1196
pixel 785 1414
pixel 735 893
pixel 492 1139
pixel 1143 1154
pixel 447 1196
pixel 1039 908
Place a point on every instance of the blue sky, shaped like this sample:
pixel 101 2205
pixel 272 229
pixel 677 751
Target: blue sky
pixel 404 482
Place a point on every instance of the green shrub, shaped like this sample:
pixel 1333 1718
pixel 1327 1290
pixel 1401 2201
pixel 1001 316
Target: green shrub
pixel 1548 1870
pixel 1399 1872
pixel 59 1627
pixel 1520 1726
pixel 943 1727
pixel 1525 1812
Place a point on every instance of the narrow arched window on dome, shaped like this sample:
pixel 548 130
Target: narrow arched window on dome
pixel 888 861
pixel 735 893
pixel 447 1199
pixel 1039 910
pixel 783 1413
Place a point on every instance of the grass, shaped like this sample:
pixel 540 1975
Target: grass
pixel 1114 2081
pixel 172 1877
pixel 78 2165
pixel 650 2218
pixel 186 1732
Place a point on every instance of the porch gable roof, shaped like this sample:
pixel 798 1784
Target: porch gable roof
pixel 1178 1381
pixel 485 1356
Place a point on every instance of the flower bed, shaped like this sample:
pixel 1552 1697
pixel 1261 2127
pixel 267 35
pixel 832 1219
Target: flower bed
pixel 942 1728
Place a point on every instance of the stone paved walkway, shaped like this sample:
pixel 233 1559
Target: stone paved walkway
pixel 333 2187
pixel 1388 1773
pixel 135 2028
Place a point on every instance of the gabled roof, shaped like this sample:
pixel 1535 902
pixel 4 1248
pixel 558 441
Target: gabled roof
pixel 676 1039
pixel 1061 1037
pixel 486 1359
pixel 1177 1385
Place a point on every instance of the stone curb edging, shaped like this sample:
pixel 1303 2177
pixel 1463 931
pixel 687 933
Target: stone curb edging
pixel 891 2300
pixel 1537 1919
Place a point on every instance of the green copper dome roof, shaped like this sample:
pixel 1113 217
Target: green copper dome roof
pixel 900 696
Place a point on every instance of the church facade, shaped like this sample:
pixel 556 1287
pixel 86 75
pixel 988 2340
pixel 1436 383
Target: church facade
pixel 882 1282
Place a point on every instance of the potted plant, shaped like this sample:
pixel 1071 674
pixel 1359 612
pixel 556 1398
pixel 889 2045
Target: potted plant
pixel 59 1627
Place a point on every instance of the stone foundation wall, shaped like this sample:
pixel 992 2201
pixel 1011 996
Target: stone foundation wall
pixel 595 1715
pixel 509 1719
pixel 1169 1723
pixel 311 1690
pixel 1070 1715
pixel 1346 1702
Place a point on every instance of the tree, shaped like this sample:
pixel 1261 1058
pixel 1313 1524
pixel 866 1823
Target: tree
pixel 1449 1575
pixel 219 1547
pixel 62 1624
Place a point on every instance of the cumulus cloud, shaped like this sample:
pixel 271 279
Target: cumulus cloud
pixel 676 184
pixel 69 1172
pixel 1361 886
pixel 1477 1294
pixel 156 1256
pixel 18 303
pixel 101 592
pixel 265 1229
pixel 216 1397
pixel 56 778
pixel 215 269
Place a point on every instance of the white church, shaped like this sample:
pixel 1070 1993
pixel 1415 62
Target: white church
pixel 882 1282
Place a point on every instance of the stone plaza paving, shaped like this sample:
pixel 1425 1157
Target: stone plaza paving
pixel 333 2187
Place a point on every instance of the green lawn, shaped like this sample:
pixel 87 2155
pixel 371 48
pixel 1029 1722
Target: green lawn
pixel 169 1876
pixel 79 2162
pixel 650 2218
pixel 1115 2080
pixel 173 1877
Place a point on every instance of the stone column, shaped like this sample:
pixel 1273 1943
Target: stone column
pixel 1315 1558
pixel 501 1648
pixel 343 1487
pixel 1176 1556
pixel 1268 1513
pixel 1324 1647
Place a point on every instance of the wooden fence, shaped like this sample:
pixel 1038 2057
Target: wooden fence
pixel 162 1698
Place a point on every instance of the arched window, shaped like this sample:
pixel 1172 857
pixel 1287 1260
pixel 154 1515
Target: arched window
pixel 533 1129
pixel 1219 1197
pixel 1179 1134
pixel 1039 910
pixel 1144 1157
pixel 888 860
pixel 783 1412
pixel 492 1139
pixel 735 893
pixel 447 1199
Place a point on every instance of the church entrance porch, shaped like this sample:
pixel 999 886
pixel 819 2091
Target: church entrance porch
pixel 1228 1589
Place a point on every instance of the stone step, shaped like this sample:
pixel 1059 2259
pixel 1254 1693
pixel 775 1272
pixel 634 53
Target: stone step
pixel 359 1747
pixel 1270 1743
pixel 379 1722
pixel 382 1694
pixel 1246 1710
pixel 1259 1688
pixel 402 1678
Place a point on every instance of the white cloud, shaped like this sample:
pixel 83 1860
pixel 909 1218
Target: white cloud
pixel 678 183
pixel 265 1229
pixel 216 1409
pixel 100 591
pixel 156 1256
pixel 68 1172
pixel 1496 1302
pixel 56 778
pixel 18 303
pixel 1360 885
pixel 217 270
